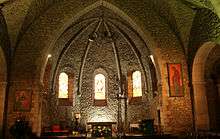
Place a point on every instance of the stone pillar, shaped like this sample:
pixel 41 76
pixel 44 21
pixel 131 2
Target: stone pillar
pixel 2 104
pixel 201 106
pixel 37 102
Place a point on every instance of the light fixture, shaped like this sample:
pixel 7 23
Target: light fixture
pixel 49 56
pixel 77 115
pixel 152 59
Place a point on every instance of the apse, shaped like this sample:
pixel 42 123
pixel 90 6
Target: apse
pixel 107 71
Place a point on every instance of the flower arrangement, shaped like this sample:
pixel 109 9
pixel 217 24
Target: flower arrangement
pixel 101 131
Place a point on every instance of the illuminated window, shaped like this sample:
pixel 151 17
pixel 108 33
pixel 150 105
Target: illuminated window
pixel 63 85
pixel 136 84
pixel 99 87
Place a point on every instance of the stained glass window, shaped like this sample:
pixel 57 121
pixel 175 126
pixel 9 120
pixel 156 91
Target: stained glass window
pixel 63 85
pixel 136 81
pixel 99 87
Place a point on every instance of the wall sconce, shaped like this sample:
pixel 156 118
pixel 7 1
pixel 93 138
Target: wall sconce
pixel 49 56
pixel 152 59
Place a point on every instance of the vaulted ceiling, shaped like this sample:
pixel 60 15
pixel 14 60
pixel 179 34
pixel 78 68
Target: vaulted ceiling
pixel 20 14
pixel 35 21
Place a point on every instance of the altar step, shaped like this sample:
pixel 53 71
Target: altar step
pixel 125 137
pixel 199 136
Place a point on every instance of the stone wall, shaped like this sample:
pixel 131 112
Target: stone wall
pixel 31 115
pixel 101 55
pixel 143 29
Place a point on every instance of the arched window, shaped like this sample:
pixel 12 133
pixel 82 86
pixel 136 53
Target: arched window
pixel 136 84
pixel 63 85
pixel 100 87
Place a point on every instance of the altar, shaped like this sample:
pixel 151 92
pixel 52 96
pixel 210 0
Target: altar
pixel 101 129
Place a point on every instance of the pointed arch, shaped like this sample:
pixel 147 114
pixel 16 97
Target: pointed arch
pixel 145 35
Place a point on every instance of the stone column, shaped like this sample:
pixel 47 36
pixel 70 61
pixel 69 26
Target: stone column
pixel 2 104
pixel 37 103
pixel 201 106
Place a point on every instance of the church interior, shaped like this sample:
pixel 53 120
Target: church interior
pixel 109 68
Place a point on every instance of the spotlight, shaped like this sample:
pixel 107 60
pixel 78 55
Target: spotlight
pixel 49 56
pixel 152 59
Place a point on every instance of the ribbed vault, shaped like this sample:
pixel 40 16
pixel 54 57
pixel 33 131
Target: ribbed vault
pixel 28 11
pixel 47 32
pixel 104 29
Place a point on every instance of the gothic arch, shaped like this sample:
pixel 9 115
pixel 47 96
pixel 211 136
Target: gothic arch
pixel 147 38
pixel 63 49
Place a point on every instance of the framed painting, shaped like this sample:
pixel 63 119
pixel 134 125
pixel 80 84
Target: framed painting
pixel 175 79
pixel 23 100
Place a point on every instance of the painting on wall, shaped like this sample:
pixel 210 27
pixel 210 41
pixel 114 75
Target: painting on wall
pixel 175 79
pixel 23 100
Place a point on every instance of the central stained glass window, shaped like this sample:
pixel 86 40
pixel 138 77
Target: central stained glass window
pixel 63 85
pixel 99 87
